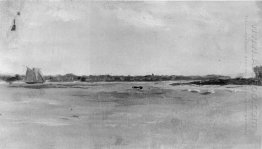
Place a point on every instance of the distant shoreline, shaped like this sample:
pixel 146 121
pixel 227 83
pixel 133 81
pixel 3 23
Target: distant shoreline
pixel 115 78
pixel 196 80
pixel 234 81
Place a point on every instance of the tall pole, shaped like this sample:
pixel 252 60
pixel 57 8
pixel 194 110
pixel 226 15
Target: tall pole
pixel 246 53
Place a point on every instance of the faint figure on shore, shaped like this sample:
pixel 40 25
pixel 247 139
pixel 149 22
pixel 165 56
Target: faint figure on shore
pixel 258 72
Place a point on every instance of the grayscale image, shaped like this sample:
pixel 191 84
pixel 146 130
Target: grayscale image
pixel 78 74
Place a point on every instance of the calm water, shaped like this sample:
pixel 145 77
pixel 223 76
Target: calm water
pixel 113 115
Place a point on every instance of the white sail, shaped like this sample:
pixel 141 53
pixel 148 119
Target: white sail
pixel 38 75
pixel 34 76
pixel 30 76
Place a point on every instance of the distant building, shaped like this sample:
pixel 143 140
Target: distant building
pixel 69 77
pixel 258 72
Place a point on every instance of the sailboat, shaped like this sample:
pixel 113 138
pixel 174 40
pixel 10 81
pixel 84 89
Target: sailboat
pixel 34 76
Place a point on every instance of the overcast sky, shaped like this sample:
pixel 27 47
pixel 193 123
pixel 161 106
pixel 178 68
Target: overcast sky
pixel 127 38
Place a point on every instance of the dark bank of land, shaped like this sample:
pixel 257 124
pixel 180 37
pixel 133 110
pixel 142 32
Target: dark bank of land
pixel 233 81
pixel 257 80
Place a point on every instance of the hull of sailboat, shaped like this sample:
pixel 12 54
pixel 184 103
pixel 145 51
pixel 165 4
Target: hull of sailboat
pixel 34 82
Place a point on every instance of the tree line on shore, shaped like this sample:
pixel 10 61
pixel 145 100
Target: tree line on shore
pixel 111 78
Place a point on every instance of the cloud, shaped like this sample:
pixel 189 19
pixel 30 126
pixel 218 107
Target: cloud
pixel 63 14
pixel 139 19
pixel 136 14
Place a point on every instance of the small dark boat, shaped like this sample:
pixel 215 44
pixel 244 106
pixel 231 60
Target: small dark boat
pixel 34 76
pixel 137 87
